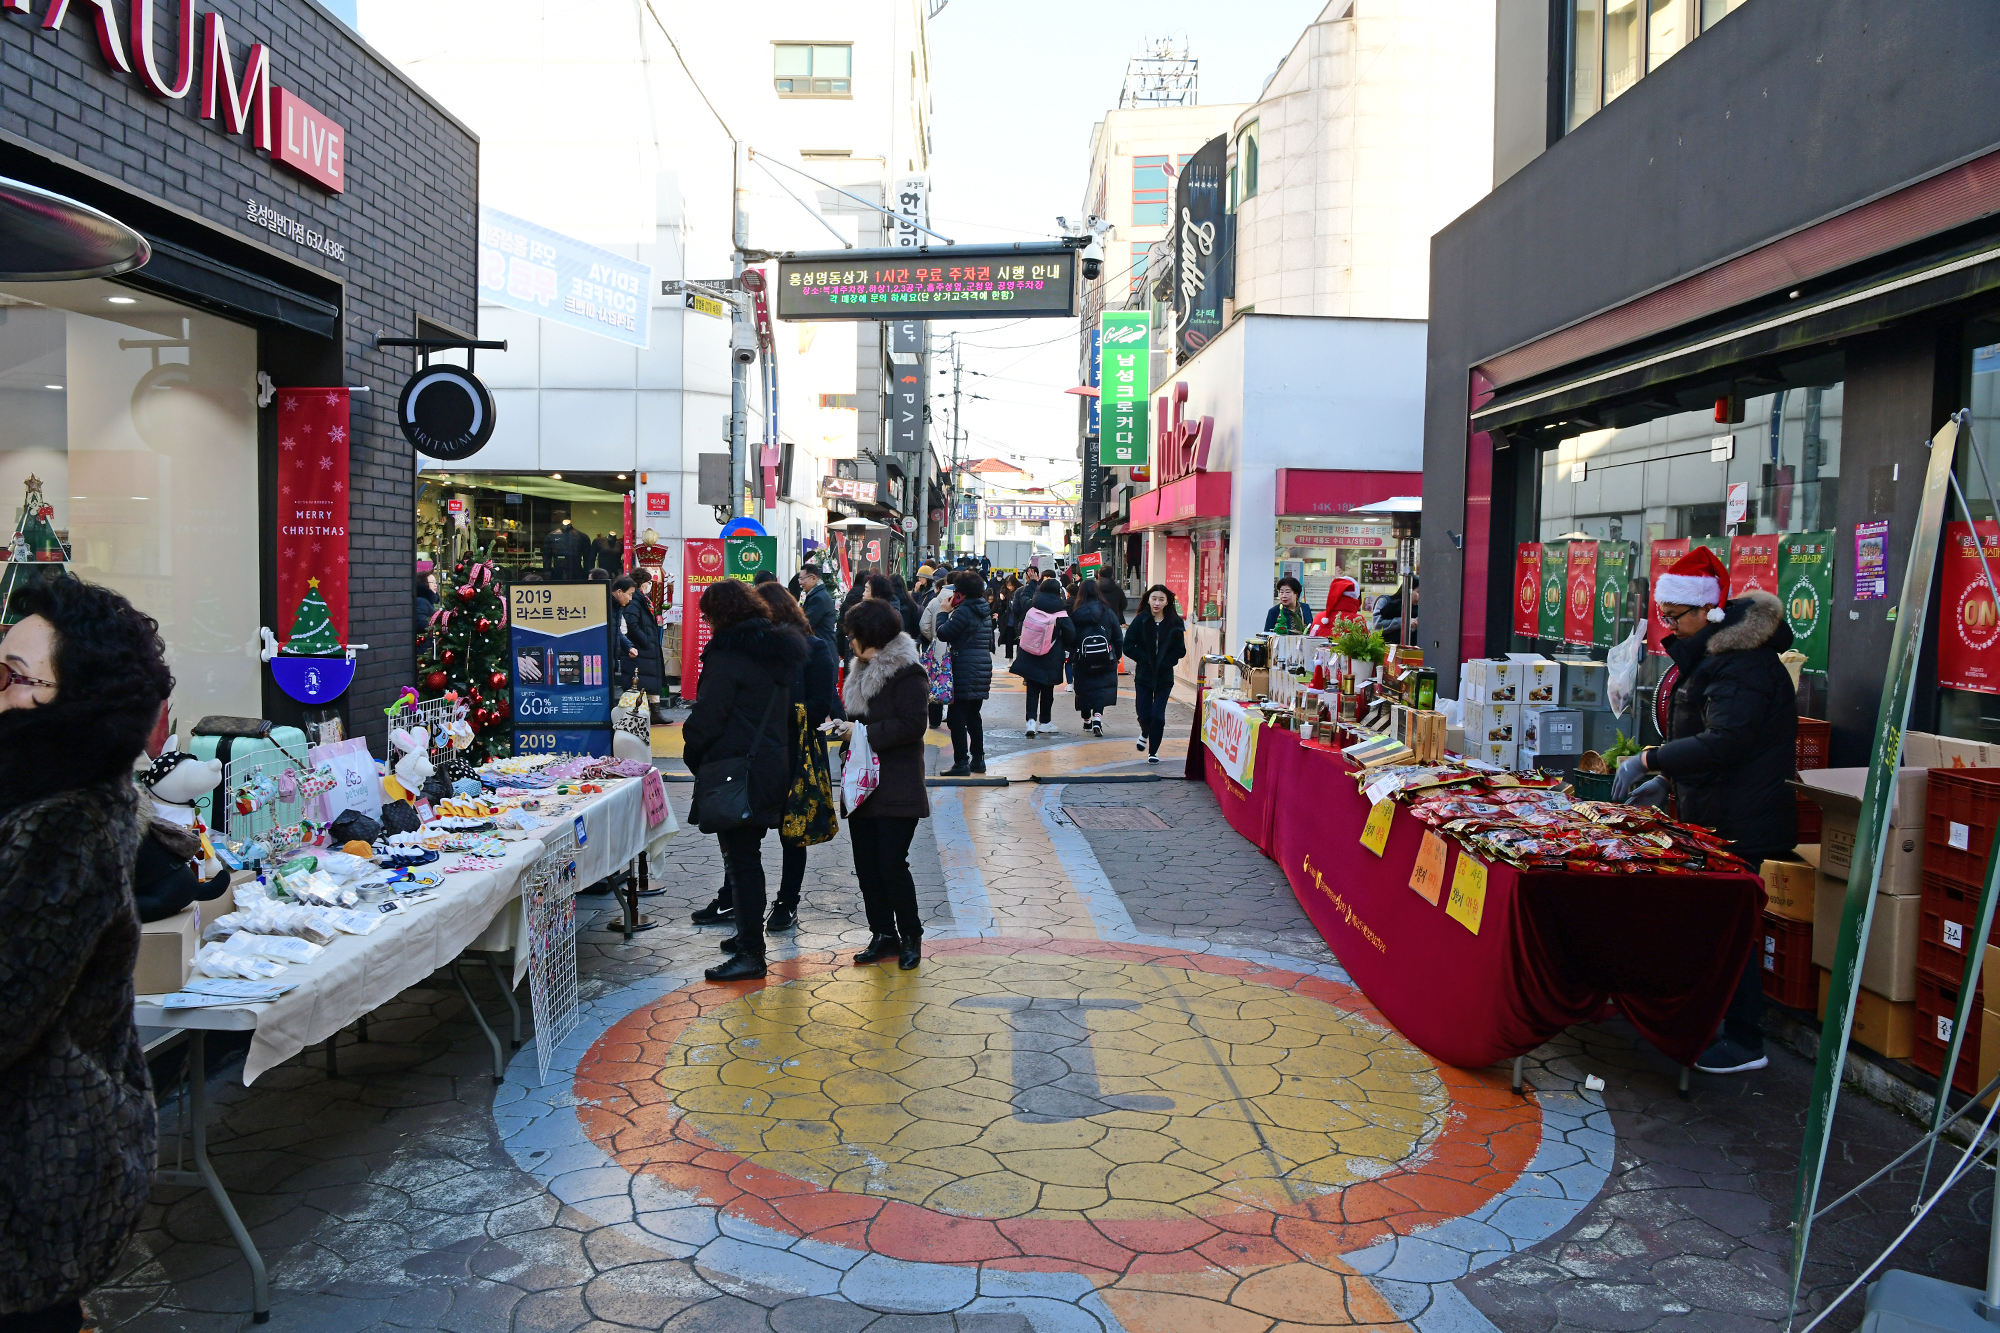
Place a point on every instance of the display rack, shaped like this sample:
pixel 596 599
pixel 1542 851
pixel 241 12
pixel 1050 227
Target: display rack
pixel 274 771
pixel 548 914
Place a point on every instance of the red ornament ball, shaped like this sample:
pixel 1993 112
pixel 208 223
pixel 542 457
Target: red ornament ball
pixel 501 710
pixel 434 681
pixel 497 680
pixel 449 655
pixel 467 592
pixel 483 717
pixel 483 625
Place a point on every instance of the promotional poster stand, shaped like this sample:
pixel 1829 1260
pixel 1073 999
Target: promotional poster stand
pixel 559 665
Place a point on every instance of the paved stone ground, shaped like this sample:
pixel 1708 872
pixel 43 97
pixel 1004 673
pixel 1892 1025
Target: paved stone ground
pixel 387 1197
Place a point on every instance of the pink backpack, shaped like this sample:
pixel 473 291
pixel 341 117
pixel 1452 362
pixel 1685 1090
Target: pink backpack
pixel 1038 630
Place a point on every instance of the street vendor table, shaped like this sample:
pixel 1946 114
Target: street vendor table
pixel 1551 949
pixel 357 974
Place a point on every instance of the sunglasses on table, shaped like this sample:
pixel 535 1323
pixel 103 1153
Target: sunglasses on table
pixel 9 678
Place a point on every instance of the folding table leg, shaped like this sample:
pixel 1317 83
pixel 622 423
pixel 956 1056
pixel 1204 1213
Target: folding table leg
pixel 631 904
pixel 1517 1073
pixel 196 1110
pixel 361 1028
pixel 1684 1082
pixel 332 1057
pixel 499 1062
pixel 507 994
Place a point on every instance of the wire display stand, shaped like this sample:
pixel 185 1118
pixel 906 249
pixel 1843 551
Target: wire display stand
pixel 271 784
pixel 433 715
pixel 548 911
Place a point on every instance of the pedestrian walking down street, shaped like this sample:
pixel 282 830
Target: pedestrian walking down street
pixel 642 632
pixel 1046 626
pixel 934 655
pixel 1097 644
pixel 652 669
pixel 812 692
pixel 1024 593
pixel 744 712
pixel 968 629
pixel 84 684
pixel 885 693
pixel 1155 640
pixel 1113 595
pixel 624 652
pixel 816 600
pixel 1001 606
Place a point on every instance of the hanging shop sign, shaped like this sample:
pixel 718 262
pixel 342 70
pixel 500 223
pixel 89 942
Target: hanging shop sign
pixel 907 430
pixel 1025 513
pixel 446 413
pixel 913 211
pixel 525 266
pixel 847 488
pixel 1665 552
pixel 1184 444
pixel 946 282
pixel 1580 595
pixel 1127 341
pixel 746 557
pixel 1805 586
pixel 1614 582
pixel 1555 591
pixel 701 565
pixel 1200 249
pixel 1093 413
pixel 559 659
pixel 1753 565
pixel 1969 638
pixel 1527 588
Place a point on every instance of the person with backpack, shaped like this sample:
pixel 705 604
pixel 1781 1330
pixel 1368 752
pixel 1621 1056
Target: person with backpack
pixel 1156 640
pixel 965 629
pixel 1046 638
pixel 1098 643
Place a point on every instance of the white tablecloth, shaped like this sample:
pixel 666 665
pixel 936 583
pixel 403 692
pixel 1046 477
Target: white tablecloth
pixel 359 973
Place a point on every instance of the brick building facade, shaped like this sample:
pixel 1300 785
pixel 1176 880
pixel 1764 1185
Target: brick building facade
pixel 317 275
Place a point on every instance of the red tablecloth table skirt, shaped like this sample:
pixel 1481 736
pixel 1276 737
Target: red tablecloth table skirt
pixel 1551 948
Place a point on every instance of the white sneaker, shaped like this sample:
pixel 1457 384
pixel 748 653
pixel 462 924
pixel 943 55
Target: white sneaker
pixel 1031 727
pixel 1140 747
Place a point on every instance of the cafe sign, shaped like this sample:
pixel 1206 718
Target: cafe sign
pixel 279 121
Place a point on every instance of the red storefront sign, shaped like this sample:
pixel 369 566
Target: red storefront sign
pixel 1580 600
pixel 1969 628
pixel 312 505
pixel 701 565
pixel 1304 490
pixel 309 142
pixel 1528 588
pixel 1183 444
pixel 1664 555
pixel 658 502
pixel 1753 564
pixel 1180 570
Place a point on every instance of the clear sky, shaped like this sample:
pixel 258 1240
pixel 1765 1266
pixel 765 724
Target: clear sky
pixel 1016 86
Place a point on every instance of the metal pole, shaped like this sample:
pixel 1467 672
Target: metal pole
pixel 739 373
pixel 957 434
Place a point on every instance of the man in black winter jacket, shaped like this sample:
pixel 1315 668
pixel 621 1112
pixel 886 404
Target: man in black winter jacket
pixel 1731 753
pixel 816 600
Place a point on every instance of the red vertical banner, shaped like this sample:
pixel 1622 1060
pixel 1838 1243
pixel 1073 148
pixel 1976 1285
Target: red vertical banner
pixel 1664 555
pixel 1178 572
pixel 701 565
pixel 1753 564
pixel 629 560
pixel 1527 588
pixel 1580 599
pixel 312 515
pixel 1969 628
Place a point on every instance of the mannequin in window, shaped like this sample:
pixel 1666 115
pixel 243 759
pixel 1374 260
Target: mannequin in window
pixel 565 552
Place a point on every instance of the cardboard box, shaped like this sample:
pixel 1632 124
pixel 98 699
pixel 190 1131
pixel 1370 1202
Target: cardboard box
pixel 1883 1026
pixel 166 951
pixel 1989 970
pixel 1808 852
pixel 1552 729
pixel 1890 968
pixel 1586 685
pixel 1837 792
pixel 1955 753
pixel 1454 739
pixel 1500 754
pixel 1548 763
pixel 1789 888
pixel 1257 682
pixel 1920 750
pixel 1494 723
pixel 1498 682
pixel 1989 1049
pixel 1541 682
pixel 1902 869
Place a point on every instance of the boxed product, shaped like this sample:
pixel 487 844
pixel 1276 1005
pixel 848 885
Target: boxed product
pixel 166 952
pixel 1454 739
pixel 1545 760
pixel 1920 750
pixel 1552 729
pixel 1541 682
pixel 1890 967
pixel 1586 684
pixel 1494 722
pixel 1489 681
pixel 1788 889
pixel 1883 1026
pixel 1257 682
pixel 1989 970
pixel 1500 754
pixel 1955 753
pixel 1837 792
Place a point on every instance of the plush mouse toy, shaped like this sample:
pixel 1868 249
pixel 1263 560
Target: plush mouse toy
pixel 174 856
pixel 179 780
pixel 413 767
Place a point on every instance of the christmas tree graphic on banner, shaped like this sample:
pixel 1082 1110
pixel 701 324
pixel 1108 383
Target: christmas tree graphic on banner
pixel 312 628
pixel 37 550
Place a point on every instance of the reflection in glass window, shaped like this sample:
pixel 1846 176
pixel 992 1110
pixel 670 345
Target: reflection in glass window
pixel 138 419
pixel 802 70
pixel 1712 11
pixel 1149 191
pixel 1623 36
pixel 1243 176
pixel 1967 713
pixel 1666 30
pixel 1586 45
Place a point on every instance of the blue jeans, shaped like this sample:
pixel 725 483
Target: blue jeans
pixel 1152 713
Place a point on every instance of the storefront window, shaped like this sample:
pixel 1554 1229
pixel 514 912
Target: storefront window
pixel 557 527
pixel 1586 43
pixel 1712 11
pixel 1969 714
pixel 1624 35
pixel 1315 550
pixel 134 420
pixel 1666 30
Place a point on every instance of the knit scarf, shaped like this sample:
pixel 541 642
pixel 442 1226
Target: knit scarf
pixel 62 746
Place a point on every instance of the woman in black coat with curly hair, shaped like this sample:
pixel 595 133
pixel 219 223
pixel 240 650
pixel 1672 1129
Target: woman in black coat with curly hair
pixel 969 630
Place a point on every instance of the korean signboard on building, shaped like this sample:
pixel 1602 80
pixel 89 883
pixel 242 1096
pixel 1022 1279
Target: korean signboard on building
pixel 1201 247
pixel 957 282
pixel 1127 350
pixel 1032 513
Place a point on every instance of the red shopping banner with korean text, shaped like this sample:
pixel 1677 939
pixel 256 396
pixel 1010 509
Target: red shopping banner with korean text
pixel 1969 635
pixel 1580 601
pixel 1753 564
pixel 1527 588
pixel 1664 555
pixel 701 565
pixel 312 519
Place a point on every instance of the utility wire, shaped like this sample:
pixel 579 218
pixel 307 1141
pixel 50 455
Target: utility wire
pixel 689 72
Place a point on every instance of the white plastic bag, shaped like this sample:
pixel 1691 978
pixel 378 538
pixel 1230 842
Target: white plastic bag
pixel 862 772
pixel 1624 662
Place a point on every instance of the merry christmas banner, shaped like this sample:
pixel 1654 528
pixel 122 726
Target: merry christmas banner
pixel 312 520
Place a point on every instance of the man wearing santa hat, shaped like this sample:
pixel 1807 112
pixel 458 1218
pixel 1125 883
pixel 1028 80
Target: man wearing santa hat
pixel 1731 748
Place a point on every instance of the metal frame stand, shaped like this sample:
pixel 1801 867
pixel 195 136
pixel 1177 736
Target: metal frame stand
pixel 204 1174
pixel 499 1060
pixel 636 878
pixel 507 994
pixel 1519 1060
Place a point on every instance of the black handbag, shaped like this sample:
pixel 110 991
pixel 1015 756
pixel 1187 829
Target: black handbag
pixel 722 796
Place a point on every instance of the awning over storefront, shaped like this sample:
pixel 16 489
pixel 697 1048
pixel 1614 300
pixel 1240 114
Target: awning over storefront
pixel 1327 491
pixel 1199 496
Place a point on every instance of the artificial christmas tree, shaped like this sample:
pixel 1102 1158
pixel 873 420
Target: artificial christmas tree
pixel 470 656
pixel 37 550
pixel 312 628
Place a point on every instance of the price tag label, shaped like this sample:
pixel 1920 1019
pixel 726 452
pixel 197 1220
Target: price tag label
pixel 1381 789
pixel 1428 876
pixel 1954 935
pixel 1960 837
pixel 1468 892
pixel 1376 835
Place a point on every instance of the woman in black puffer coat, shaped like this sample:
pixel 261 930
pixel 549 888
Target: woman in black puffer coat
pixel 1096 680
pixel 1044 671
pixel 968 628
pixel 886 695
pixel 744 709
